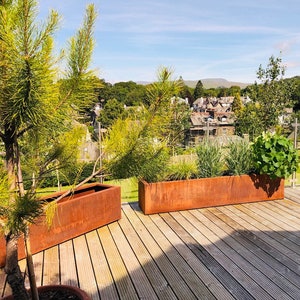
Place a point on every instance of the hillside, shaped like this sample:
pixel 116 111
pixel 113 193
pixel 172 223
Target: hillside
pixel 215 82
pixel 209 83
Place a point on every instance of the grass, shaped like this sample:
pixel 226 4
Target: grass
pixel 129 189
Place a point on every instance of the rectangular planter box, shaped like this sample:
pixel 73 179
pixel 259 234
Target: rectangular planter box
pixel 169 196
pixel 89 207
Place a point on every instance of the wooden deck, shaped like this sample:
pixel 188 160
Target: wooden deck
pixel 249 251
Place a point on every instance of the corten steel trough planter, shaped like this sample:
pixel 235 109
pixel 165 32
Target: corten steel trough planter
pixel 89 207
pixel 170 196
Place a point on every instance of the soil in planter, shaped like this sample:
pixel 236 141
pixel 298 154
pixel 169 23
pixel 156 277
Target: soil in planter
pixel 57 295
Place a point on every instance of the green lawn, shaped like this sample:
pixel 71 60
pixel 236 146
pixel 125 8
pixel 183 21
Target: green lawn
pixel 129 189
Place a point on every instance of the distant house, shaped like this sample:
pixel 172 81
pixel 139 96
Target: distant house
pixel 211 117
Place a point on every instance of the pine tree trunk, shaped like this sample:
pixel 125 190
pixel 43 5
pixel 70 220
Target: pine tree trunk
pixel 15 278
pixel 30 267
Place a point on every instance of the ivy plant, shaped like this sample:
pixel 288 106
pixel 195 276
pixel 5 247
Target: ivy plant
pixel 274 155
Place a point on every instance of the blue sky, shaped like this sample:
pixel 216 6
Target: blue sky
pixel 197 39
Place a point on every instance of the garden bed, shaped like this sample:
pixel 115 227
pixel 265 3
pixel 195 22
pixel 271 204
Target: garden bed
pixel 89 207
pixel 169 196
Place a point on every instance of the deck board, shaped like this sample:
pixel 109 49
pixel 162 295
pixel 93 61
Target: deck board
pixel 51 271
pixel 246 251
pixel 147 232
pixel 68 270
pixel 154 275
pixel 85 271
pixel 250 253
pixel 123 282
pixel 103 276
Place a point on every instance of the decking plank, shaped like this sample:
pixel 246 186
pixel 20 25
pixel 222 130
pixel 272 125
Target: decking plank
pixel 292 193
pixel 103 276
pixel 207 279
pixel 195 284
pixel 270 256
pixel 51 266
pixel 85 270
pixel 285 222
pixel 2 282
pixel 251 253
pixel 289 207
pixel 241 256
pixel 38 263
pixel 265 227
pixel 167 240
pixel 137 275
pixel 224 278
pixel 246 251
pixel 68 269
pixel 217 248
pixel 264 241
pixel 121 277
pixel 158 281
pixel 146 228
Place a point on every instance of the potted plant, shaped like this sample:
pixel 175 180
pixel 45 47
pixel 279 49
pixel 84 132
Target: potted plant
pixel 242 173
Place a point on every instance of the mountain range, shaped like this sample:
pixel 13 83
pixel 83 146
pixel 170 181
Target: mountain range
pixel 215 83
pixel 209 83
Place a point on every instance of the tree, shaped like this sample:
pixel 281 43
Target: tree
pixel 268 100
pixel 234 90
pixel 273 94
pixel 139 147
pixel 112 110
pixel 237 105
pixel 179 123
pixel 32 104
pixel 248 121
pixel 186 92
pixel 199 90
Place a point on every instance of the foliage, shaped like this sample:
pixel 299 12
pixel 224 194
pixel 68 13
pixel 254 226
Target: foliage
pixel 239 158
pixel 237 105
pixel 25 209
pixel 181 170
pixel 248 121
pixel 43 159
pixel 161 111
pixel 34 104
pixel 128 93
pixel 199 90
pixel 275 155
pixel 272 95
pixel 186 92
pixel 269 98
pixel 179 123
pixel 134 153
pixel 139 147
pixel 210 159
pixel 112 110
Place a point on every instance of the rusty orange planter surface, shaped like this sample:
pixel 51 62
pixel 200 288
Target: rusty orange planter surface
pixel 207 192
pixel 91 206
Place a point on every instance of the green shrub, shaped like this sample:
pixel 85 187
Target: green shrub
pixel 182 169
pixel 274 155
pixel 153 167
pixel 210 159
pixel 239 158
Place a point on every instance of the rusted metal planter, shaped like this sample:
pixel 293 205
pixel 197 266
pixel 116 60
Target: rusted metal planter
pixel 207 192
pixel 91 206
